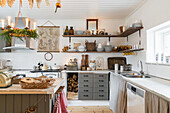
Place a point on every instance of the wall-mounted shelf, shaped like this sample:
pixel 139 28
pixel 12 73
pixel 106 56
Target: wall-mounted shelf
pixel 126 33
pixel 124 51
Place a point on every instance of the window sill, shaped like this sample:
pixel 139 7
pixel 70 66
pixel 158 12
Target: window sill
pixel 162 64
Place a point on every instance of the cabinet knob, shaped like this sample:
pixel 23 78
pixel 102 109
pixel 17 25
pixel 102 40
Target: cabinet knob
pixel 101 80
pixel 86 80
pixel 101 90
pixel 101 85
pixel 85 95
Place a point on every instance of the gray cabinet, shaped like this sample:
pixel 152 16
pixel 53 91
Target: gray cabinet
pixel 93 86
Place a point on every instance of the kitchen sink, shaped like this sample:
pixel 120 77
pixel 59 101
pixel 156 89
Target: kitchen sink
pixel 134 75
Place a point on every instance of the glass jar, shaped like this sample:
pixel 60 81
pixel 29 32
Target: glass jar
pixel 8 65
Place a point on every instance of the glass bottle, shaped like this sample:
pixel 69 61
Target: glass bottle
pixel 71 31
pixel 66 31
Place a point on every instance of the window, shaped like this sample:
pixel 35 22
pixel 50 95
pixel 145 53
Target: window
pixel 158 44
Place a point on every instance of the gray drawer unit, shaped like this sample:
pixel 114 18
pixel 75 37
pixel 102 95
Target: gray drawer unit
pixel 101 96
pixel 85 96
pixel 93 86
pixel 85 90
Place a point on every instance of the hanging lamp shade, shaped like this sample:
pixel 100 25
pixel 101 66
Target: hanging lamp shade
pixel 31 2
pixel 2 3
pixel 10 2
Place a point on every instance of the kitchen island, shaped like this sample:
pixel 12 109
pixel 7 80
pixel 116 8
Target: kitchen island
pixel 16 100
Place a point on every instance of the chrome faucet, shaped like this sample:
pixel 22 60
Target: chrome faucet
pixel 141 66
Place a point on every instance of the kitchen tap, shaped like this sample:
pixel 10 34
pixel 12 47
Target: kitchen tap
pixel 141 66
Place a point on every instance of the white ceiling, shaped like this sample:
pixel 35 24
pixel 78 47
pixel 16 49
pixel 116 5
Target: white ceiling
pixel 75 9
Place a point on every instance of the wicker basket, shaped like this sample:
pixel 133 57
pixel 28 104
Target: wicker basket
pixel 91 46
pixel 40 83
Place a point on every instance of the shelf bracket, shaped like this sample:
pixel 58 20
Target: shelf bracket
pixel 69 39
pixel 127 38
pixel 139 33
pixel 109 38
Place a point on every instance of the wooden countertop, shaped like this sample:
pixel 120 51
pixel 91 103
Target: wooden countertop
pixel 16 89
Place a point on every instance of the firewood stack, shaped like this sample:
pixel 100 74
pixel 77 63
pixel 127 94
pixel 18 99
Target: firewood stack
pixel 72 82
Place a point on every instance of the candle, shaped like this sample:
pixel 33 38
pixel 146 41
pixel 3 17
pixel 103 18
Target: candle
pixel 3 24
pixel 12 25
pixel 34 25
pixel 27 20
pixel 9 20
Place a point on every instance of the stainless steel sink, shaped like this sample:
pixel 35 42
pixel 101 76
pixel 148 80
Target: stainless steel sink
pixel 134 75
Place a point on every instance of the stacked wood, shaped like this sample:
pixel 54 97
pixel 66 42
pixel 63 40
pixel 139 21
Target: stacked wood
pixel 72 82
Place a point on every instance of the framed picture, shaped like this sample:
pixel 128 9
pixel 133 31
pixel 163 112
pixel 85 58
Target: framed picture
pixel 92 24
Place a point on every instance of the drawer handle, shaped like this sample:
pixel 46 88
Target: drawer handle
pixel 86 80
pixel 86 90
pixel 101 85
pixel 101 90
pixel 101 95
pixel 101 75
pixel 101 80
pixel 86 85
pixel 85 75
pixel 85 95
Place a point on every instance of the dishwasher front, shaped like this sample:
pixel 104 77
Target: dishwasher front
pixel 135 99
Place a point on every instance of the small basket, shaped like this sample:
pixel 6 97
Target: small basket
pixel 40 83
pixel 91 46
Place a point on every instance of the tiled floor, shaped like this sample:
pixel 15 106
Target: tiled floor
pixel 89 109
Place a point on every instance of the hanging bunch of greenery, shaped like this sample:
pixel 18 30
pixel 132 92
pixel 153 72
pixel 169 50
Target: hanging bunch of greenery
pixel 7 35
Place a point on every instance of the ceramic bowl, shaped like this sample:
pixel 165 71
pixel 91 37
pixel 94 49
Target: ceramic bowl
pixel 79 32
pixel 100 49
pixel 108 48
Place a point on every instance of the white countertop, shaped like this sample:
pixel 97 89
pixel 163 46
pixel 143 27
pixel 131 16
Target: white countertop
pixel 157 86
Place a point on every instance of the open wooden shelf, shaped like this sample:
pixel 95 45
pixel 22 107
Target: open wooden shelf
pixel 126 33
pixel 124 51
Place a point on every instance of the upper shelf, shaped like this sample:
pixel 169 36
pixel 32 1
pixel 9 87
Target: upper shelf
pixel 126 33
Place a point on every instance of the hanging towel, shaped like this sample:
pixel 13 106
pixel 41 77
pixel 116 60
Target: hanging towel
pixel 64 98
pixel 57 106
pixel 63 101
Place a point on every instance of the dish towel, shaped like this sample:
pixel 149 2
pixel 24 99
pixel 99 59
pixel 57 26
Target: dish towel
pixel 63 101
pixel 57 106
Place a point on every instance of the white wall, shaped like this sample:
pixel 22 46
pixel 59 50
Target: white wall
pixel 27 59
pixel 152 13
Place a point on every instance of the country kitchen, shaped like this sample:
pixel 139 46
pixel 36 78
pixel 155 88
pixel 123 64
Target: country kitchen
pixel 84 56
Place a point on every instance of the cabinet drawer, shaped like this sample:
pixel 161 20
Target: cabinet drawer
pixel 84 76
pixel 101 80
pixel 101 85
pixel 85 96
pixel 101 90
pixel 101 76
pixel 85 85
pixel 100 96
pixel 85 80
pixel 85 90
